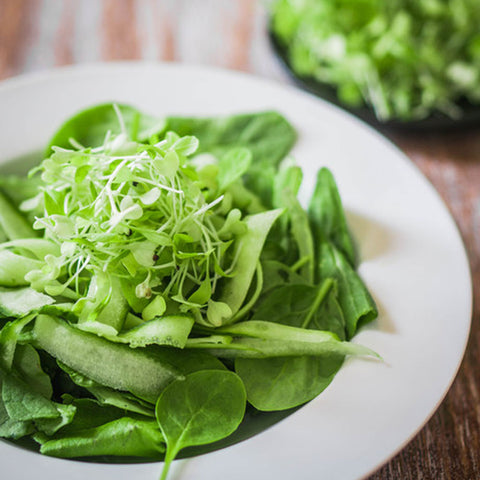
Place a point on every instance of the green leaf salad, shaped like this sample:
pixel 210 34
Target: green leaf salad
pixel 403 58
pixel 162 288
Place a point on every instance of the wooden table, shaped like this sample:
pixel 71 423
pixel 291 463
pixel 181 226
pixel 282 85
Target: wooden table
pixel 37 35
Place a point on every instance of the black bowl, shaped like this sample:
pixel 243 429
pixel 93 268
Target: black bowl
pixel 436 121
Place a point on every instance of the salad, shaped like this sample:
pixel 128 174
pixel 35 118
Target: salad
pixel 405 59
pixel 162 288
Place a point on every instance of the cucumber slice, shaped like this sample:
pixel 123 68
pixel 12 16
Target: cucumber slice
pixel 234 290
pixel 113 365
pixel 13 268
pixel 17 302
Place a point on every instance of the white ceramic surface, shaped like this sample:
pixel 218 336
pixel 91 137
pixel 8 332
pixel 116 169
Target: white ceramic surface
pixel 413 262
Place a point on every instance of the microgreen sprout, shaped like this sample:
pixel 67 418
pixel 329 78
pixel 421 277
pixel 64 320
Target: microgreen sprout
pixel 135 211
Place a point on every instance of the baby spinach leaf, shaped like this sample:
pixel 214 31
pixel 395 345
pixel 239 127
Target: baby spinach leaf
pixel 23 404
pixel 205 407
pixel 27 363
pixel 89 414
pixel 268 135
pixel 122 400
pixel 295 304
pixel 232 165
pixel 289 178
pixel 328 218
pixel 281 383
pixel 277 274
pixel 13 429
pixel 126 436
pixel 89 127
pixel 355 300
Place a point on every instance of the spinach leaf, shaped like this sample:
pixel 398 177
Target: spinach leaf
pixel 89 414
pixel 23 404
pixel 355 300
pixel 232 165
pixel 302 305
pixel 281 383
pixel 127 436
pixel 277 274
pixel 289 178
pixel 268 136
pixel 207 406
pixel 13 429
pixel 89 127
pixel 328 218
pixel 302 234
pixel 27 363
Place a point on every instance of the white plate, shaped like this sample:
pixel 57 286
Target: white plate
pixel 413 262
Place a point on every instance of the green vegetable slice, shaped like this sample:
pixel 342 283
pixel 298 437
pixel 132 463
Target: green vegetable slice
pixel 17 302
pixel 14 268
pixel 113 365
pixel 249 246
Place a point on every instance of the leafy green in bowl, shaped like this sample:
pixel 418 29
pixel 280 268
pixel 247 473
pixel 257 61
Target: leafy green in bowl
pixel 162 290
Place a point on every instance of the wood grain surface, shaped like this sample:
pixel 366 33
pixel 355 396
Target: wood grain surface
pixel 37 35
